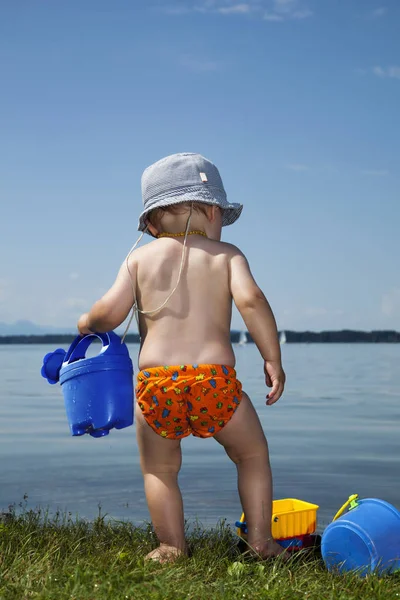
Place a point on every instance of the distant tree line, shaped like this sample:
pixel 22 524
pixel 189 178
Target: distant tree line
pixel 345 336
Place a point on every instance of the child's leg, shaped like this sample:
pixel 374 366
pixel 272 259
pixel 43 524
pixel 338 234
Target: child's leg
pixel 245 443
pixel 160 460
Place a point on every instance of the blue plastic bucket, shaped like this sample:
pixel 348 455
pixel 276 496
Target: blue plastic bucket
pixel 98 391
pixel 365 539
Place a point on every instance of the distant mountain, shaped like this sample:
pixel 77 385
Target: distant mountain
pixel 28 328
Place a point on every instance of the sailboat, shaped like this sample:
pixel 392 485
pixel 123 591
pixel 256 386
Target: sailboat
pixel 242 338
pixel 282 338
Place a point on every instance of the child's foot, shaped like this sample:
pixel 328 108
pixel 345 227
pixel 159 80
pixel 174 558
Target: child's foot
pixel 165 554
pixel 269 549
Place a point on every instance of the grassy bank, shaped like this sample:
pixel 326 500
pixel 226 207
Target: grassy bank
pixel 60 557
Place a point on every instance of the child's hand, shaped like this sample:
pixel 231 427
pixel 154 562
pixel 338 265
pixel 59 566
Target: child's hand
pixel 82 325
pixel 274 377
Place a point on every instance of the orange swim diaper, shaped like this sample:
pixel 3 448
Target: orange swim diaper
pixel 180 400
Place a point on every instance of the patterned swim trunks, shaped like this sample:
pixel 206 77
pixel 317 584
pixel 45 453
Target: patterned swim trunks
pixel 180 400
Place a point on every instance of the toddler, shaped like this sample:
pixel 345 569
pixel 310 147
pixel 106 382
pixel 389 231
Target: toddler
pixel 181 286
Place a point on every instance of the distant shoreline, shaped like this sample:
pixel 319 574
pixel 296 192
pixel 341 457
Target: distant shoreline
pixel 345 336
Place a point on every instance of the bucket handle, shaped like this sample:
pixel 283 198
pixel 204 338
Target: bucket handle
pixel 352 501
pixel 79 346
pixel 241 525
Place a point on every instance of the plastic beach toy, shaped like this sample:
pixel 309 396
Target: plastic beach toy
pixel 98 391
pixel 364 539
pixel 294 523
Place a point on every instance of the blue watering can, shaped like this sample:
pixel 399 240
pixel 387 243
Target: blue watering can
pixel 98 391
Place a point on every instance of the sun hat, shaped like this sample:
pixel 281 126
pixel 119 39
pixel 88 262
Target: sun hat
pixel 185 177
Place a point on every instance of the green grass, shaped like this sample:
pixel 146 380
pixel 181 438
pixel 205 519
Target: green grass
pixel 59 558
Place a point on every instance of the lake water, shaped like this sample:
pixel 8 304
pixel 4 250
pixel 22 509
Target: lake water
pixel 336 431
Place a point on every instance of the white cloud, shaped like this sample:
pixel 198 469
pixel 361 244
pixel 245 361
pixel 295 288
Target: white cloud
pixel 284 5
pixel 282 10
pixel 378 71
pixel 270 10
pixel 74 275
pixel 392 72
pixel 302 14
pixel 272 17
pixel 298 168
pixel 391 303
pixel 375 172
pixel 76 303
pixel 381 11
pixel 198 65
pixel 235 9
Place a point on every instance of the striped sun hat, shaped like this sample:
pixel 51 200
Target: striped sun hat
pixel 185 177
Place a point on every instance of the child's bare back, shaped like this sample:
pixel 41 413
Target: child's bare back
pixel 194 327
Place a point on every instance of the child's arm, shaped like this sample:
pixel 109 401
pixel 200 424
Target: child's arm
pixel 113 308
pixel 260 322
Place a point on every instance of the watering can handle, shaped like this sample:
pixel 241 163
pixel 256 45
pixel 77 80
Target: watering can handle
pixel 352 501
pixel 80 344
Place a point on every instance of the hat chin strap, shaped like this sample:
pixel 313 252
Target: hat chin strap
pixel 135 308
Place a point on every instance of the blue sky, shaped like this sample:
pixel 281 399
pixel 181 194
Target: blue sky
pixel 296 101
